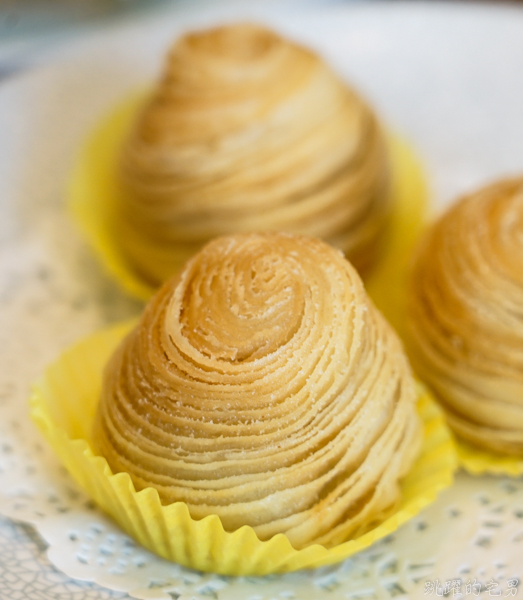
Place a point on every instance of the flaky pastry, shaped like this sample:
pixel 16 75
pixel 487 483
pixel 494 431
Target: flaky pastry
pixel 247 131
pixel 466 316
pixel 263 386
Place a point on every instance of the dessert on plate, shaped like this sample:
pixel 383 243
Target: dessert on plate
pixel 261 416
pixel 262 385
pixel 247 130
pixel 465 310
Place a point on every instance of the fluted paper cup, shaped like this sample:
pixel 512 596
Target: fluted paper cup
pixel 478 461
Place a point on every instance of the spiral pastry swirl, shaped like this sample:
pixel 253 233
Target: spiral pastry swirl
pixel 247 132
pixel 262 385
pixel 466 315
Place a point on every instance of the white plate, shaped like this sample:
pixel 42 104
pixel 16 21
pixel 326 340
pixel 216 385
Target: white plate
pixel 448 76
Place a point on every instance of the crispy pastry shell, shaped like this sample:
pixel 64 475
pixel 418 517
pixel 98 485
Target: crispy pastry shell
pixel 466 316
pixel 263 386
pixel 249 131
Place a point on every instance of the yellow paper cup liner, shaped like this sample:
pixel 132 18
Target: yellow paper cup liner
pixel 64 404
pixel 387 281
pixel 93 193
pixel 479 461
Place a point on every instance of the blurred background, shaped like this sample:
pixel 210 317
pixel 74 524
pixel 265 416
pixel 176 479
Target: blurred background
pixel 32 31
pixel 421 63
pixel 19 17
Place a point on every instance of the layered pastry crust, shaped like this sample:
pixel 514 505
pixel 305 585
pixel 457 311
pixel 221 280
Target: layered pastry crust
pixel 466 316
pixel 263 386
pixel 249 131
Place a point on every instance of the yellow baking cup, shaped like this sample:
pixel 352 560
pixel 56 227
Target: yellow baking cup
pixel 387 281
pixel 94 190
pixel 63 405
pixel 479 461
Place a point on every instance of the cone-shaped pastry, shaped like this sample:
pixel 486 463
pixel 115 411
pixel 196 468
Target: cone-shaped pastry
pixel 248 131
pixel 466 316
pixel 262 385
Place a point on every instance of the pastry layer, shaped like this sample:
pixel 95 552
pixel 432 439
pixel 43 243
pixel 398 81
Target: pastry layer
pixel 263 386
pixel 466 315
pixel 248 131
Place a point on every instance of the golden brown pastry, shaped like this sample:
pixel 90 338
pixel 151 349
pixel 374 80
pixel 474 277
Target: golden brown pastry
pixel 466 315
pixel 248 131
pixel 262 385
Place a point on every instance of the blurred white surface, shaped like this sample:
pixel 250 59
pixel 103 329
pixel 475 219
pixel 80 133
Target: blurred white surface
pixel 33 32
